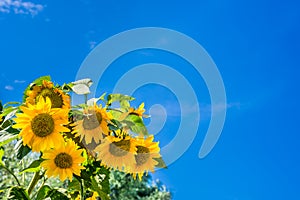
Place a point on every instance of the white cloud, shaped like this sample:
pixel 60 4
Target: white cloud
pixel 92 44
pixel 20 7
pixel 9 87
pixel 19 81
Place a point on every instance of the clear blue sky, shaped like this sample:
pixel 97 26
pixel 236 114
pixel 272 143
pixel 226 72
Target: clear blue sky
pixel 255 45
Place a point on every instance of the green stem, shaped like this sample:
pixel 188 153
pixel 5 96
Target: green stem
pixel 81 189
pixel 9 171
pixel 23 175
pixel 85 98
pixel 33 182
pixel 45 179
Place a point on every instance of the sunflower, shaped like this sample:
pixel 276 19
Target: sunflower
pixel 146 151
pixel 58 98
pixel 117 153
pixel 63 161
pixel 41 125
pixel 139 112
pixel 93 125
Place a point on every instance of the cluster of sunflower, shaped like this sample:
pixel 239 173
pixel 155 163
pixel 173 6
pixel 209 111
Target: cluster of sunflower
pixel 72 138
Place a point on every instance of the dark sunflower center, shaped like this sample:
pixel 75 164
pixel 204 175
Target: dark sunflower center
pixel 63 161
pixel 120 148
pixel 42 125
pixel 92 120
pixel 56 99
pixel 142 155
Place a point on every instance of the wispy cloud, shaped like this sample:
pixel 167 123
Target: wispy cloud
pixel 20 7
pixel 19 81
pixel 173 110
pixel 9 87
pixel 92 44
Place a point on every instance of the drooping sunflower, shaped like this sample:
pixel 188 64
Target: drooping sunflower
pixel 117 153
pixel 146 151
pixel 93 125
pixel 58 98
pixel 41 125
pixel 64 160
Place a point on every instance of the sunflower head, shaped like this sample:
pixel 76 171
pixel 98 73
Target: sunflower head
pixel 58 98
pixel 63 161
pixel 117 153
pixel 146 151
pixel 41 125
pixel 93 125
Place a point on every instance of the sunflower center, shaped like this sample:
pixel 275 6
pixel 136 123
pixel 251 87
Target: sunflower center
pixel 142 155
pixel 120 148
pixel 63 161
pixel 42 125
pixel 92 121
pixel 56 99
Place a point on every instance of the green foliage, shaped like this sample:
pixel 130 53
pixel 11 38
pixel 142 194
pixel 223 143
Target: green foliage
pixel 124 187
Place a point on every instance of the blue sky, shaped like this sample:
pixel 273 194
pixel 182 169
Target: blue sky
pixel 255 45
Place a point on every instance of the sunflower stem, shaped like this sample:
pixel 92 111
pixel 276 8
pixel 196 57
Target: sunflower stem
pixel 81 189
pixel 9 171
pixel 85 98
pixel 33 182
pixel 44 181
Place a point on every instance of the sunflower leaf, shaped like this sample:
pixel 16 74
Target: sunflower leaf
pixel 1 155
pixel 135 124
pixel 121 98
pixel 56 195
pixel 21 149
pixel 33 167
pixel 6 137
pixel 161 163
pixel 17 193
pixel 96 186
pixel 43 192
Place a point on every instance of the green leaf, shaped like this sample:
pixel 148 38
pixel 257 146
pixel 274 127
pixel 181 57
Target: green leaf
pixel 11 103
pixel 33 167
pixel 56 195
pixel 21 149
pixel 1 155
pixel 43 192
pixel 9 112
pixel 104 173
pixel 74 185
pixel 17 193
pixel 135 124
pixel 161 163
pixel 40 80
pixel 123 99
pixel 96 186
pixel 6 137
